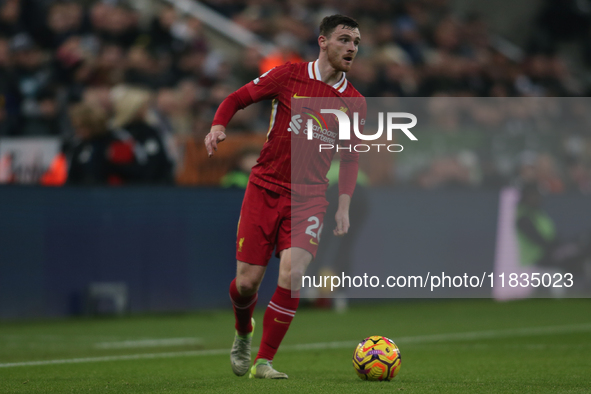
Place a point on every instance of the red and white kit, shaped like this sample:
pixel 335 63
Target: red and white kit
pixel 284 203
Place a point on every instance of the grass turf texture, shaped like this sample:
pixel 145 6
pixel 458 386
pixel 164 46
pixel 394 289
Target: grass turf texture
pixel 434 359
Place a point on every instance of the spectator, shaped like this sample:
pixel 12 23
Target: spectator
pixel 10 22
pixel 160 33
pixel 110 66
pixel 74 66
pixel 144 70
pixel 35 81
pixel 8 102
pixel 131 107
pixel 115 22
pixel 64 19
pixel 99 157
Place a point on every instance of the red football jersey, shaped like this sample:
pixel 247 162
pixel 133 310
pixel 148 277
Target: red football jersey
pixel 273 170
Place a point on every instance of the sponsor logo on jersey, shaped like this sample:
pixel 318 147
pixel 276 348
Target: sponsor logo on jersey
pixel 257 80
pixel 295 124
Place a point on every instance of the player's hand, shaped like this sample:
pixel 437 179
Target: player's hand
pixel 216 135
pixel 342 216
pixel 342 219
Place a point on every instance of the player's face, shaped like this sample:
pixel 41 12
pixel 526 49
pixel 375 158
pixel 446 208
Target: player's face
pixel 342 47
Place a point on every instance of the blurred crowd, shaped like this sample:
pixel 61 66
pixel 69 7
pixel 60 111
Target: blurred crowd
pixel 140 87
pixel 412 47
pixel 494 142
pixel 149 81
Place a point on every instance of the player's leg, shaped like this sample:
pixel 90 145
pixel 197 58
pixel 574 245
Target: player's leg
pixel 257 230
pixel 284 303
pixel 281 310
pixel 298 245
pixel 244 295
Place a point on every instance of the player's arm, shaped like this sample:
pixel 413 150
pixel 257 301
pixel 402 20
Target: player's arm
pixel 348 170
pixel 240 99
pixel 264 87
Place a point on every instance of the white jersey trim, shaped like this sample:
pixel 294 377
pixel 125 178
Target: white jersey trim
pixel 314 73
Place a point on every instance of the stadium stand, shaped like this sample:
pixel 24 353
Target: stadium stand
pixel 190 55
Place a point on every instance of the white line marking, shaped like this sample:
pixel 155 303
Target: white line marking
pixel 148 343
pixel 459 336
pixel 214 352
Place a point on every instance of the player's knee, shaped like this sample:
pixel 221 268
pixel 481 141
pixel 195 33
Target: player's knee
pixel 284 279
pixel 296 273
pixel 289 278
pixel 247 286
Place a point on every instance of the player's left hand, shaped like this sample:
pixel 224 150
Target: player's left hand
pixel 342 219
pixel 342 216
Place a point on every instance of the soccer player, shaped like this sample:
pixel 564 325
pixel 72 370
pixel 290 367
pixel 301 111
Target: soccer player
pixel 269 214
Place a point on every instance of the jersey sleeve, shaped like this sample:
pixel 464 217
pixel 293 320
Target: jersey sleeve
pixel 349 167
pixel 240 99
pixel 269 84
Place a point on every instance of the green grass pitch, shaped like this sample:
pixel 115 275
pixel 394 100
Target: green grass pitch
pixel 447 346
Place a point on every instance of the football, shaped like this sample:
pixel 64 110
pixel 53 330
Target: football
pixel 377 358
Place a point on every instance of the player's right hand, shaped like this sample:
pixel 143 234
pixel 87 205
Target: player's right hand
pixel 216 135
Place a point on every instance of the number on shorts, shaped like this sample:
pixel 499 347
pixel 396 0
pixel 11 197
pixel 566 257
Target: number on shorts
pixel 310 229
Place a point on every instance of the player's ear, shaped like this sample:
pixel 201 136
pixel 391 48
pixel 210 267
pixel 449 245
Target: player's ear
pixel 322 42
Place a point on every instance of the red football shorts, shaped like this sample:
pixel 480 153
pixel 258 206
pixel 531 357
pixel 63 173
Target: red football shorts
pixel 269 221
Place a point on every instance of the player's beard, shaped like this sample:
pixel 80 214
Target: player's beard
pixel 336 60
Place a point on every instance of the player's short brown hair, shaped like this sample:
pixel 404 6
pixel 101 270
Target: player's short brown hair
pixel 330 23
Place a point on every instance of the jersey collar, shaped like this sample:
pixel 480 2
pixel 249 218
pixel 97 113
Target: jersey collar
pixel 314 73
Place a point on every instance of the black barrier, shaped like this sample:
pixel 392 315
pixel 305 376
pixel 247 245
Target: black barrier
pixel 174 248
